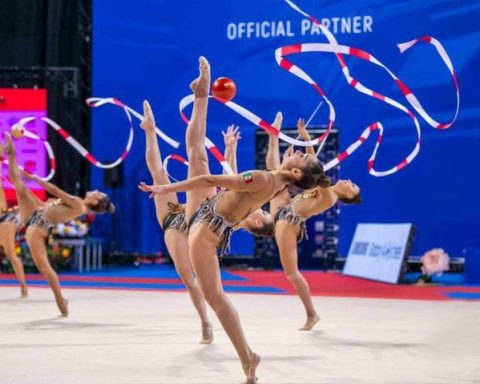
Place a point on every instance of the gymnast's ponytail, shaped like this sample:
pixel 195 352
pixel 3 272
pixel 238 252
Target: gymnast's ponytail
pixel 324 181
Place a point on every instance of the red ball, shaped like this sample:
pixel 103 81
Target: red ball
pixel 224 88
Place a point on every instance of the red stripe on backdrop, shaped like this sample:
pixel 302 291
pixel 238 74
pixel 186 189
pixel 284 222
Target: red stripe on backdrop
pixel 12 196
pixel 23 99
pixel 124 280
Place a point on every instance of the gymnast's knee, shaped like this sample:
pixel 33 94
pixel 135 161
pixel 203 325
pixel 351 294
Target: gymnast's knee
pixel 293 275
pixel 198 156
pixel 215 299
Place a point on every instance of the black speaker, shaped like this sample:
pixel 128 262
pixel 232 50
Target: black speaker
pixel 113 178
pixel 320 250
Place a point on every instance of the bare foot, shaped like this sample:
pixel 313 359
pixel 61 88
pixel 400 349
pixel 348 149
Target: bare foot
pixel 251 369
pixel 24 292
pixel 63 306
pixel 310 323
pixel 207 334
pixel 148 121
pixel 201 85
pixel 277 123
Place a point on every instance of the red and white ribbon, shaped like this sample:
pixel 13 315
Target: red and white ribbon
pixel 253 118
pixel 175 157
pixel 339 50
pixel 51 157
pixel 6 179
pixel 99 101
pixel 92 102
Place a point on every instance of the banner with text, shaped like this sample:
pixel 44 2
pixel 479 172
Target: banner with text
pixel 377 251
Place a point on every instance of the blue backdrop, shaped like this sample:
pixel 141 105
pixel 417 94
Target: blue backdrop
pixel 148 49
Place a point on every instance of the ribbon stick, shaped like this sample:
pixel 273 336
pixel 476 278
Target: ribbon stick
pixel 313 114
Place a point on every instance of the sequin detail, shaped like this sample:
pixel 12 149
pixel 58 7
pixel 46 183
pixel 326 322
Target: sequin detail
pixel 216 223
pixel 175 218
pixel 287 214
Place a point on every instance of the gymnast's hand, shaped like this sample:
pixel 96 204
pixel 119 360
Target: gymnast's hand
pixel 302 131
pixel 154 189
pixel 232 136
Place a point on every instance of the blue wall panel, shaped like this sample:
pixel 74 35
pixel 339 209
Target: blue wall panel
pixel 148 50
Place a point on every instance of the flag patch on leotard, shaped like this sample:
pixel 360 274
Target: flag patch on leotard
pixel 247 177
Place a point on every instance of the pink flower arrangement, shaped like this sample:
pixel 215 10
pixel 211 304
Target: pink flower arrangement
pixel 435 262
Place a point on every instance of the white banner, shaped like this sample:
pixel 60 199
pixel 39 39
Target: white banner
pixel 377 251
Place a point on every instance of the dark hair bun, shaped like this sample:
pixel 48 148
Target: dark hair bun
pixel 324 181
pixel 313 176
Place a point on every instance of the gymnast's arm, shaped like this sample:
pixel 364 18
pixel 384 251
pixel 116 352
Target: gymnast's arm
pixel 3 199
pixel 273 151
pixel 273 162
pixel 302 131
pixel 231 138
pixel 253 181
pixel 69 200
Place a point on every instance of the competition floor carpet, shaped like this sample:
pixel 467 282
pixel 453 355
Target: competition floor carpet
pixel 164 278
pixel 138 326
